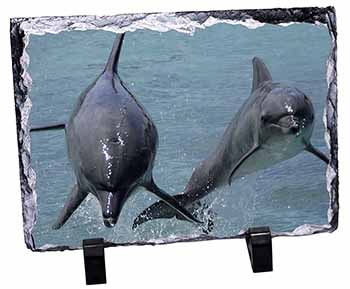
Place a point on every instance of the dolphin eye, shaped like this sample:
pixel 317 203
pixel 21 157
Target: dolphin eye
pixel 263 118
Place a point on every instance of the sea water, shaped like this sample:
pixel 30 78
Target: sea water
pixel 192 86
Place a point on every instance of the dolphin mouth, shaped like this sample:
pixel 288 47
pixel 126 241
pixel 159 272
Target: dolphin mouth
pixel 109 222
pixel 289 124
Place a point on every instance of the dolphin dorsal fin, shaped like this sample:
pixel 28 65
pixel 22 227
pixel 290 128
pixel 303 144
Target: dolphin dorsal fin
pixel 112 63
pixel 260 73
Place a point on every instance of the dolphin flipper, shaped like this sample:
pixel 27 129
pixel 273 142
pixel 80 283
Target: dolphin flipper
pixel 74 200
pixel 171 201
pixel 310 148
pixel 241 161
pixel 260 73
pixel 49 127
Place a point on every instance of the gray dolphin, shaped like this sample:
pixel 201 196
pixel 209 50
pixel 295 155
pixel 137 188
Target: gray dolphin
pixel 112 144
pixel 273 125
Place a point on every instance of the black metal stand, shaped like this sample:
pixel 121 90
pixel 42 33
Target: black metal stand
pixel 94 260
pixel 259 243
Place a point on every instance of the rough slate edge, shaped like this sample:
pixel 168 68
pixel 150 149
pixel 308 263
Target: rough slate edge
pixel 22 85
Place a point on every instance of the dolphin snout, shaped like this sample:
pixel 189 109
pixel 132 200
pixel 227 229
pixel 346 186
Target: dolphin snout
pixel 294 124
pixel 110 216
pixel 295 128
pixel 290 124
pixel 111 205
pixel 109 222
pixel 289 121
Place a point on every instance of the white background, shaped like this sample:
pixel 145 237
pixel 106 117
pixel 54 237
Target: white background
pixel 319 261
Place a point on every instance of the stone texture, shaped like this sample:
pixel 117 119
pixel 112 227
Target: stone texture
pixel 185 22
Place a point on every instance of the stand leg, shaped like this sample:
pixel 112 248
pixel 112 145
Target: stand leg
pixel 94 260
pixel 259 243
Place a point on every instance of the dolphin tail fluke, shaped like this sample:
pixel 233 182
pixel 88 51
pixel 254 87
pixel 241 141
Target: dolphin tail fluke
pixel 112 63
pixel 159 210
pixel 54 126
pixel 168 207
pixel 74 200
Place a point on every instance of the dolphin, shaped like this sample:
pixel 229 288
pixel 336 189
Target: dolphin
pixel 112 143
pixel 274 124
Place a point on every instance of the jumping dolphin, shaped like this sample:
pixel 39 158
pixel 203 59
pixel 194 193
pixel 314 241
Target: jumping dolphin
pixel 273 125
pixel 112 144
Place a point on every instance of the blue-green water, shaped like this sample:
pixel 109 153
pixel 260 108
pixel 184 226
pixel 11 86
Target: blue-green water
pixel 192 86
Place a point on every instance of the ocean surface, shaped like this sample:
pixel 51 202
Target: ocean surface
pixel 192 86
